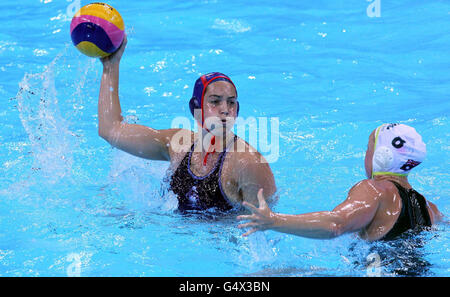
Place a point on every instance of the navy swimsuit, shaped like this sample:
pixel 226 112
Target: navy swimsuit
pixel 199 192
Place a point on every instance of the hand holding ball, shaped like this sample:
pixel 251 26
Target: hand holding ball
pixel 97 30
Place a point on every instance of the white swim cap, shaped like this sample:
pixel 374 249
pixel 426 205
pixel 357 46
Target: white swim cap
pixel 398 149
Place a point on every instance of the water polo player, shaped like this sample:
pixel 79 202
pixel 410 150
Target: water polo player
pixel 217 175
pixel 380 207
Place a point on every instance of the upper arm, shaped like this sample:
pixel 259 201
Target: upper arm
pixel 359 209
pixel 254 175
pixel 143 141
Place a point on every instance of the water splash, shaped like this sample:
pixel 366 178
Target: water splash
pixel 139 183
pixel 51 139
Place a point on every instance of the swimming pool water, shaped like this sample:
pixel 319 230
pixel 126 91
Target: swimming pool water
pixel 72 205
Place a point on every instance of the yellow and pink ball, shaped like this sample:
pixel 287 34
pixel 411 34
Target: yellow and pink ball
pixel 97 30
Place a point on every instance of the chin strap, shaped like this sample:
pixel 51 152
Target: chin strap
pixel 213 142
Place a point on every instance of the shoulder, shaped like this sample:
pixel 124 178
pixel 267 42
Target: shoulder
pixel 363 184
pixel 382 186
pixel 181 135
pixel 179 142
pixel 368 190
pixel 249 167
pixel 245 157
pixel 244 153
pixel 381 193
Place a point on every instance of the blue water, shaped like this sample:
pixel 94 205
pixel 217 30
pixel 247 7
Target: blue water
pixel 71 205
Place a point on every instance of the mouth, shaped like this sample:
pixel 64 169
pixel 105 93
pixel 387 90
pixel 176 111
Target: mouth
pixel 222 124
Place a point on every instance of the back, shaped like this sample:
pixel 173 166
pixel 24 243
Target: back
pixel 401 209
pixel 414 213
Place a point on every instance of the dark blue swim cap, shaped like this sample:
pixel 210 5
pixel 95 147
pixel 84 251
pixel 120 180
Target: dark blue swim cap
pixel 201 83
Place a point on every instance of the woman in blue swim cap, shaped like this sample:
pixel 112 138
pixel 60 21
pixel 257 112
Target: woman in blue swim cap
pixel 211 176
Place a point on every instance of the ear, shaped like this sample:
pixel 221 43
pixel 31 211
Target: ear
pixel 194 104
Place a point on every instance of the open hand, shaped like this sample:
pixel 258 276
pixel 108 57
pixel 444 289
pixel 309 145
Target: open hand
pixel 115 57
pixel 262 218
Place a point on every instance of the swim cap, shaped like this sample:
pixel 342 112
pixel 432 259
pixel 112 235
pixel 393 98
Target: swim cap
pixel 398 149
pixel 201 83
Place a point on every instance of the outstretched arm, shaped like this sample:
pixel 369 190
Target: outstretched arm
pixel 355 213
pixel 138 140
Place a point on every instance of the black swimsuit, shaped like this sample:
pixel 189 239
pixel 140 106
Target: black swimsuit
pixel 414 214
pixel 199 192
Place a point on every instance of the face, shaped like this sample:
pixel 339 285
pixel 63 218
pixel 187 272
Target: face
pixel 220 105
pixel 369 155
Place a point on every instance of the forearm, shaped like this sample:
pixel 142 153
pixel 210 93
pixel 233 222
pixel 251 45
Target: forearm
pixel 319 225
pixel 109 111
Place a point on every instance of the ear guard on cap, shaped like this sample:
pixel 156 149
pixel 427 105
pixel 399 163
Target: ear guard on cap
pixel 383 157
pixel 194 104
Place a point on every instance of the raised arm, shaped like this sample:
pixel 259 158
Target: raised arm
pixel 355 213
pixel 135 139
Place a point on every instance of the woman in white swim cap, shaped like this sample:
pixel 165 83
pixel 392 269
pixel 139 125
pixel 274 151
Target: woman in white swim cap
pixel 381 207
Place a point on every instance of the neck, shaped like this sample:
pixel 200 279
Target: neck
pixel 402 180
pixel 208 142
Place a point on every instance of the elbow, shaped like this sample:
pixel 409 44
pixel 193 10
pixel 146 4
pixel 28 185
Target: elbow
pixel 336 230
pixel 107 135
pixel 107 128
pixel 108 131
pixel 337 227
pixel 103 134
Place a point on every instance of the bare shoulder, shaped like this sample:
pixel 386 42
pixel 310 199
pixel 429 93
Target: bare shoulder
pixel 179 142
pixel 247 157
pixel 369 189
pixel 244 152
pixel 251 168
pixel 178 134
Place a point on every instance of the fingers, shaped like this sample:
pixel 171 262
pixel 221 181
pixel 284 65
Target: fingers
pixel 250 207
pixel 117 55
pixel 247 225
pixel 249 232
pixel 257 226
pixel 252 217
pixel 124 42
pixel 244 217
pixel 261 200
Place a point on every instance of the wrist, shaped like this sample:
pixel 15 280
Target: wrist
pixel 280 221
pixel 110 66
pixel 274 220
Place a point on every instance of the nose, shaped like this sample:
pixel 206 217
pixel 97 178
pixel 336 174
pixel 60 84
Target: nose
pixel 223 108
